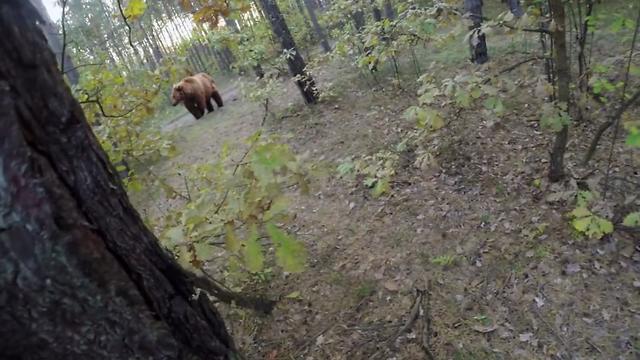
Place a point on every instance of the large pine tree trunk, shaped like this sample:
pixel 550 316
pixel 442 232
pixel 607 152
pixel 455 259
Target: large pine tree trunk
pixel 296 63
pixel 316 26
pixel 563 78
pixel 81 275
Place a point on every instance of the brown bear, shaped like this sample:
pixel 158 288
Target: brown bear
pixel 196 93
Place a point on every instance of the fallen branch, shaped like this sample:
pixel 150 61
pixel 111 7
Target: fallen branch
pixel 227 296
pixel 427 331
pixel 266 111
pixel 413 315
pixel 520 63
pixel 513 67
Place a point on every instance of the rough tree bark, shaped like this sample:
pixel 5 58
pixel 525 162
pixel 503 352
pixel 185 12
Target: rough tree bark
pixel 316 26
pixel 563 81
pixel 81 275
pixel 304 81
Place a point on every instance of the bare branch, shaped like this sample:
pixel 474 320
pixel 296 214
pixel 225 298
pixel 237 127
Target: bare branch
pixel 99 103
pixel 606 125
pixel 539 30
pixel 520 63
pixel 82 65
pixel 124 18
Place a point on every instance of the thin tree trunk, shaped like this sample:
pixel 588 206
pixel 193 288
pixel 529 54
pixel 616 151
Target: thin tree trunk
pixel 50 30
pixel 358 20
pixel 389 11
pixel 583 76
pixel 563 76
pixel 302 13
pixel 316 26
pixel 153 46
pixel 296 63
pixel 375 11
pixel 83 277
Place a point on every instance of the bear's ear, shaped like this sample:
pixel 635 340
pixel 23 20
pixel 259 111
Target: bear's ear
pixel 177 87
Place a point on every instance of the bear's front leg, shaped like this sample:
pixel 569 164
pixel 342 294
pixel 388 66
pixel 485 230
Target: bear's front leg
pixel 209 105
pixel 194 110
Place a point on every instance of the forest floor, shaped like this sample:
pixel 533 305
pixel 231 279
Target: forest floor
pixel 472 258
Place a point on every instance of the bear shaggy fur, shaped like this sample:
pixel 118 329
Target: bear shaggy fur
pixel 196 93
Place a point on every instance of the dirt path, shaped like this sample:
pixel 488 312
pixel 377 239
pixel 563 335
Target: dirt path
pixel 508 278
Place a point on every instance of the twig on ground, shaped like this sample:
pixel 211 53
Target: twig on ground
pixel 266 111
pixel 566 346
pixel 427 330
pixel 413 315
pixel 593 345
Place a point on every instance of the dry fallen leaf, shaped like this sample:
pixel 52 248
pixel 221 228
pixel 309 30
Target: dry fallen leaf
pixel 391 285
pixel 485 329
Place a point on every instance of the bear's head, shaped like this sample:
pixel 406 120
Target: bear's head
pixel 177 94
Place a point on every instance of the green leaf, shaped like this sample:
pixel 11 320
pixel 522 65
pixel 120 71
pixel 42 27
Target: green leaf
pixel 204 251
pixel 598 227
pixel 582 224
pixel 231 241
pixel 605 226
pixel 174 236
pixel 295 295
pixel 253 256
pixel 381 187
pixel 278 207
pixel 135 9
pixel 633 139
pixel 584 197
pixel 632 220
pixel 369 182
pixel 345 168
pixel 581 212
pixel 290 253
